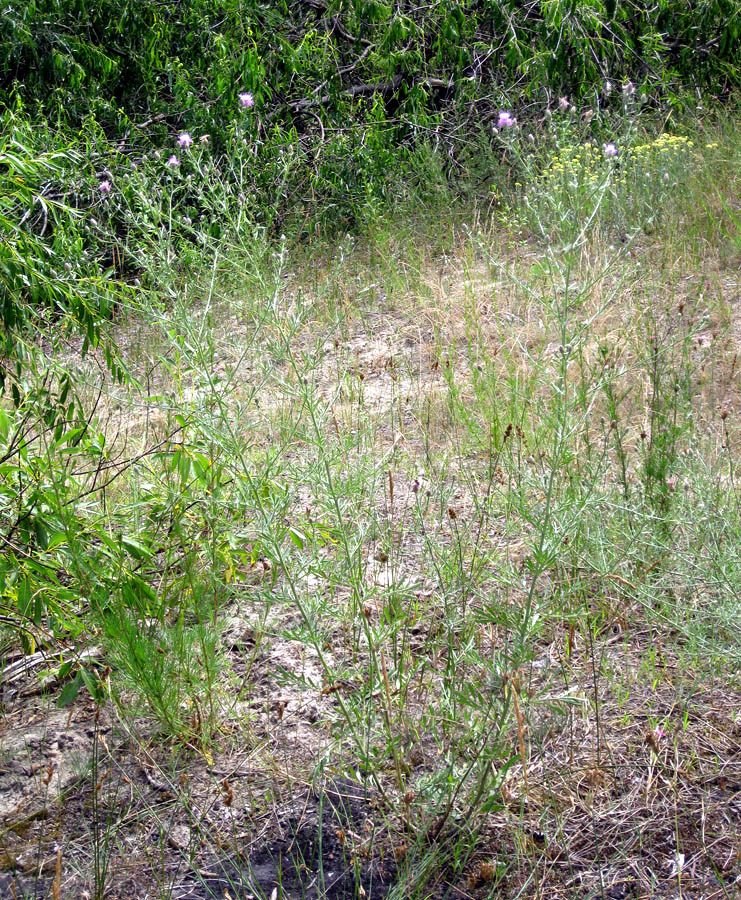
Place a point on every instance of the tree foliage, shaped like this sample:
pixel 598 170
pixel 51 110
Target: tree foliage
pixel 141 65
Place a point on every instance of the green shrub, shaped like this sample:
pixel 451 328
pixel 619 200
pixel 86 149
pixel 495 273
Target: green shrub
pixel 46 273
pixel 344 90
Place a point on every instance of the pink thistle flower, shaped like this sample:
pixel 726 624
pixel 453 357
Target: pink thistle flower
pixel 173 162
pixel 104 187
pixel 505 119
pixel 184 140
pixel 611 150
pixel 246 100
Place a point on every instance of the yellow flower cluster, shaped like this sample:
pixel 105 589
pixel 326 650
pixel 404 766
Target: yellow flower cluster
pixel 587 167
pixel 611 184
pixel 665 144
pixel 574 159
pixel 581 166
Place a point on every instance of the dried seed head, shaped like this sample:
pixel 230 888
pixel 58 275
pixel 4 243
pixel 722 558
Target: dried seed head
pixel 400 851
pixel 228 793
pixel 483 873
pixel 653 738
pixel 452 513
pixel 487 871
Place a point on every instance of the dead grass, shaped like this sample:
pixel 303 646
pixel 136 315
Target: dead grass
pixel 625 776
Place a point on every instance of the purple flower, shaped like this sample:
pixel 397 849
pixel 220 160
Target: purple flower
pixel 184 140
pixel 505 119
pixel 611 150
pixel 104 187
pixel 246 100
pixel 173 162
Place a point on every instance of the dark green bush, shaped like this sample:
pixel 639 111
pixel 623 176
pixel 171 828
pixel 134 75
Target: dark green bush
pixel 46 273
pixel 151 68
pixel 342 89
